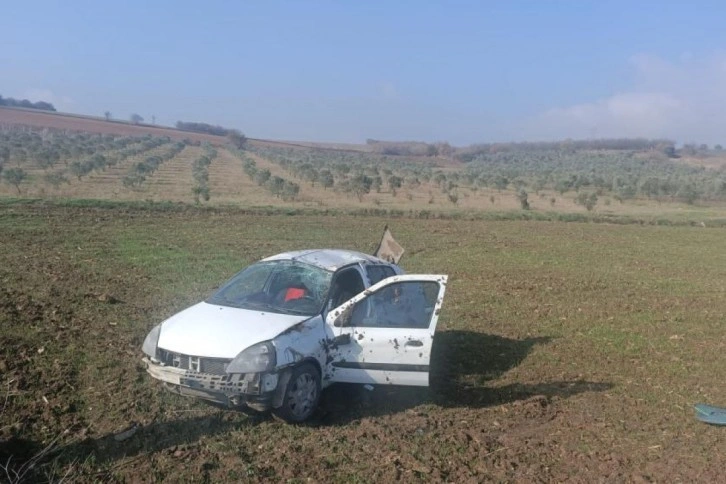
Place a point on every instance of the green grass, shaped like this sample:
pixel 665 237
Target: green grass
pixel 696 217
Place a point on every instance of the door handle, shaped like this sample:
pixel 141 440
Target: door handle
pixel 413 342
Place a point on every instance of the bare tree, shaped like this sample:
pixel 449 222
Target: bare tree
pixel 136 119
pixel 108 115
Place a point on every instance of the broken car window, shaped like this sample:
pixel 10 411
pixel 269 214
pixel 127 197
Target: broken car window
pixel 287 287
pixel 348 283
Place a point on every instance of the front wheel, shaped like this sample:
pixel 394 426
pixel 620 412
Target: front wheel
pixel 301 395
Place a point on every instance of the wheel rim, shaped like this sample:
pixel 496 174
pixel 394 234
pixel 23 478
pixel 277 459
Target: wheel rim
pixel 303 395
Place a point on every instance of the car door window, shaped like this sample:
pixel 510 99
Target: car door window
pixel 406 304
pixel 376 273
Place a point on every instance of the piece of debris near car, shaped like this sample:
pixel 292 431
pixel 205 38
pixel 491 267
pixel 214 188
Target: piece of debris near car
pixel 284 328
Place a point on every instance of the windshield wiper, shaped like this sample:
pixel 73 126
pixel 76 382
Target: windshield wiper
pixel 259 305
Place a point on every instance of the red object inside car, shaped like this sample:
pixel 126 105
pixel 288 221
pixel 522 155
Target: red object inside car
pixel 294 293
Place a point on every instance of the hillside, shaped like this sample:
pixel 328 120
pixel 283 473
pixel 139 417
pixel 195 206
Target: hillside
pixel 90 124
pixel 49 155
pixel 34 118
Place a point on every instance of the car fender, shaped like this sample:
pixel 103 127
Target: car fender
pixel 300 343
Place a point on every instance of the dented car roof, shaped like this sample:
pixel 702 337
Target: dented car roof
pixel 329 259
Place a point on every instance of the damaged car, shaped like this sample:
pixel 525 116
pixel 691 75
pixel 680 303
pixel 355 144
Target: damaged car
pixel 286 327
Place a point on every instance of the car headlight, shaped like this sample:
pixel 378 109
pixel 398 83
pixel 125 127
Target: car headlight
pixel 255 359
pixel 151 341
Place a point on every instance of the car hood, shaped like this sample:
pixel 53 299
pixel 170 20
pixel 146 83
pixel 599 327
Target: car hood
pixel 221 331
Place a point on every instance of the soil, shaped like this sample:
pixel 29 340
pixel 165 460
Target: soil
pixel 76 401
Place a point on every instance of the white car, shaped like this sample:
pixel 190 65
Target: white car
pixel 286 327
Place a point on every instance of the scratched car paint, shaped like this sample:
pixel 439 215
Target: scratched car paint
pixel 283 329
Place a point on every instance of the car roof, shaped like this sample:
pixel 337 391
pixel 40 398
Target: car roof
pixel 329 259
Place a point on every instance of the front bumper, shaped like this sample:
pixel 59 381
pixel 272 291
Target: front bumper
pixel 253 390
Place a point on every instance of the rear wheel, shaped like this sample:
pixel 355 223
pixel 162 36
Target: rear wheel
pixel 301 395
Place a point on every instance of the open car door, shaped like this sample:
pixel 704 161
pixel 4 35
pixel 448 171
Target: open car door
pixel 385 334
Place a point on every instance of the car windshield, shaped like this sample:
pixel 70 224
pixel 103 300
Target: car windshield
pixel 287 287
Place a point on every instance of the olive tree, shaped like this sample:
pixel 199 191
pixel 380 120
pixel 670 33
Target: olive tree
pixel 237 139
pixel 361 185
pixel 326 179
pixel 522 195
pixel 394 183
pixel 587 200
pixel 15 176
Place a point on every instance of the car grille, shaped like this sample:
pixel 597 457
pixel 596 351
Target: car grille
pixel 212 366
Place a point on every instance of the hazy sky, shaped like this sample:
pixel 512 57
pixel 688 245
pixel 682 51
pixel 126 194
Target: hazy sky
pixel 459 71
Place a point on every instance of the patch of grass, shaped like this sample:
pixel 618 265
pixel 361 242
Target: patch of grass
pixel 698 219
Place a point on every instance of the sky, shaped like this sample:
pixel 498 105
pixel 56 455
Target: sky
pixel 345 71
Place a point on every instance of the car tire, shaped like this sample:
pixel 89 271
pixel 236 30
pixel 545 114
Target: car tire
pixel 302 394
